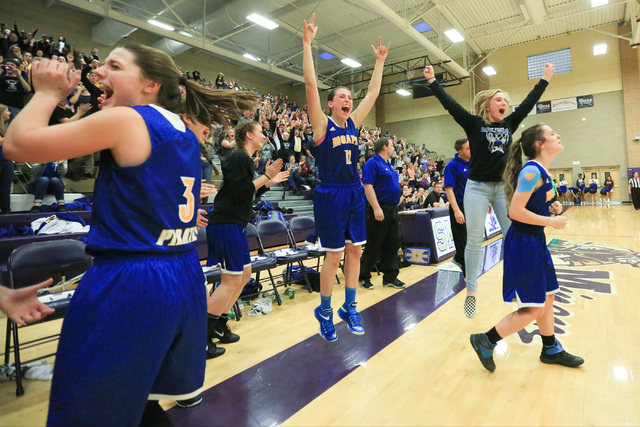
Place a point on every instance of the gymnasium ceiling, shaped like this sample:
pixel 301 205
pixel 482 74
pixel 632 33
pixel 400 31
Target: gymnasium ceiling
pixel 347 28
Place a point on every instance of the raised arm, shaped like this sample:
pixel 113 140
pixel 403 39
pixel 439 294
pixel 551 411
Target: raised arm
pixel 459 113
pixel 360 113
pixel 316 116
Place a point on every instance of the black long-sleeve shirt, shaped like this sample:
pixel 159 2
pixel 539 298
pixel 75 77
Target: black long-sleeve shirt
pixel 94 90
pixel 489 143
pixel 233 203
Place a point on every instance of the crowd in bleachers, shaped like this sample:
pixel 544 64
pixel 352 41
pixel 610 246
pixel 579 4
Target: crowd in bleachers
pixel 285 124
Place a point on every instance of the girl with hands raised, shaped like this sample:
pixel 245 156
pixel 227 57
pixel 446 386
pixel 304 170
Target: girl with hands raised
pixel 339 204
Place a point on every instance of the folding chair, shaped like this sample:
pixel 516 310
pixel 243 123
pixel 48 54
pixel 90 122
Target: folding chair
pixel 300 228
pixel 33 263
pixel 262 261
pixel 276 229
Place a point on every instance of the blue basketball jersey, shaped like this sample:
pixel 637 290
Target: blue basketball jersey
pixel 541 199
pixel 337 155
pixel 150 207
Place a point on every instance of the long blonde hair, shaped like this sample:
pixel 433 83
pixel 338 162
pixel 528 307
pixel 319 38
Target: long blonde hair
pixel 526 145
pixel 482 100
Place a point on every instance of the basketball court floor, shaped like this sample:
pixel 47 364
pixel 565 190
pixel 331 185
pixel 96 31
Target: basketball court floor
pixel 415 366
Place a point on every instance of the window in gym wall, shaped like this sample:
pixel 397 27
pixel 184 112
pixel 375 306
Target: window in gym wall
pixel 561 59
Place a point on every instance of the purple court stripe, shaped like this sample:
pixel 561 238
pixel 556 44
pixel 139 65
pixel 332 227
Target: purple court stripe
pixel 272 391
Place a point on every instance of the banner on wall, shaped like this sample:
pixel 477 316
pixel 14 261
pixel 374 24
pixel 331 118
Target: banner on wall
pixel 573 103
pixel 585 101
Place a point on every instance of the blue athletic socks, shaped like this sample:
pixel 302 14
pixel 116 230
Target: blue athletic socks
pixel 349 296
pixel 325 302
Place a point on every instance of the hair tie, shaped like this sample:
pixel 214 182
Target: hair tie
pixel 183 80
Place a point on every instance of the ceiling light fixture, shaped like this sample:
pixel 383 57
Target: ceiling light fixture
pixel 490 71
pixel 251 57
pixel 596 3
pixel 161 25
pixel 351 63
pixel 454 36
pixel 600 49
pixel 262 21
pixel 403 92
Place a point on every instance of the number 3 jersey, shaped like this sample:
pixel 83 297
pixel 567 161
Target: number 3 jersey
pixel 150 207
pixel 337 155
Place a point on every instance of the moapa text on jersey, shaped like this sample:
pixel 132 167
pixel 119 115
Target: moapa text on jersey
pixel 344 139
pixel 178 236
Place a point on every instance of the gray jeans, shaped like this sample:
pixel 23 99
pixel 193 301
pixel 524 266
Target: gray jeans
pixel 477 197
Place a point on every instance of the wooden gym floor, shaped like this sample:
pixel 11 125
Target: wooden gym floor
pixel 414 365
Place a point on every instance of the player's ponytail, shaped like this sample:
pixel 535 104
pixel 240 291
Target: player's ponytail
pixel 526 145
pixel 207 106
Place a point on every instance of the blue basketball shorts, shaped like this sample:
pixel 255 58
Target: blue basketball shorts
pixel 135 331
pixel 529 275
pixel 340 215
pixel 228 247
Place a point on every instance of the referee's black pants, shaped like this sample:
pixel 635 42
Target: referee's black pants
pixel 384 238
pixel 459 232
pixel 635 197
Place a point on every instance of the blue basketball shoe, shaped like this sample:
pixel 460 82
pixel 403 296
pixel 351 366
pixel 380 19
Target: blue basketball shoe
pixel 484 350
pixel 352 318
pixel 325 317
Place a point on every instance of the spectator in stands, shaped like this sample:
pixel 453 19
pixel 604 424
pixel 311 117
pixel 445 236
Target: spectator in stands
pixel 308 144
pixel 296 143
pixel 292 168
pixel 90 82
pixel 268 150
pixel 227 146
pixel 435 199
pixel 13 86
pixel 407 199
pixel 6 165
pixel 246 117
pixel 63 114
pixel 47 177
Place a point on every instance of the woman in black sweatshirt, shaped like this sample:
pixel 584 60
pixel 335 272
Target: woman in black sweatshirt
pixel 490 135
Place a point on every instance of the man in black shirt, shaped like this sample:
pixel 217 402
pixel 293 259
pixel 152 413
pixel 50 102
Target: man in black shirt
pixel 13 86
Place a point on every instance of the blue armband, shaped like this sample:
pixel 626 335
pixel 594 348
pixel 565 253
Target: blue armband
pixel 527 179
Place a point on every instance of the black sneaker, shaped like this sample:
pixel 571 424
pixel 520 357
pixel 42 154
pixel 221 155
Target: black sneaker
pixel 213 350
pixel 62 208
pixel 190 403
pixel 34 209
pixel 556 355
pixel 223 333
pixel 484 350
pixel 366 284
pixel 395 283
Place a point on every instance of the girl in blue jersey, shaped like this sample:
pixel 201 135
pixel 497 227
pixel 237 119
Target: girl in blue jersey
pixel 136 326
pixel 529 275
pixel 490 134
pixel 339 203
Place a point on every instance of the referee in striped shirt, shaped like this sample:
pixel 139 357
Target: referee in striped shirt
pixel 634 190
